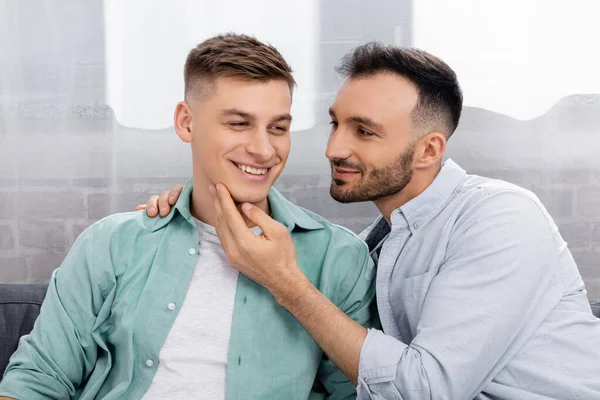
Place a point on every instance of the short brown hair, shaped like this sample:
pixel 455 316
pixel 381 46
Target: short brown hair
pixel 440 97
pixel 236 56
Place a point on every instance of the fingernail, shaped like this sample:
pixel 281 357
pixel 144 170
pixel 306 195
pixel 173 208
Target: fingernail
pixel 163 210
pixel 246 206
pixel 171 198
pixel 151 210
pixel 211 189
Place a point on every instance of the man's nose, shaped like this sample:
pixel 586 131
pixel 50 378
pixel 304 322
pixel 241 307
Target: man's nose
pixel 260 146
pixel 338 146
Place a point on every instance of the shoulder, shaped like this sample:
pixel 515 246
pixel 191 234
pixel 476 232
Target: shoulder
pixel 338 236
pixel 493 197
pixel 130 223
pixel 494 210
pixel 343 255
pixel 118 240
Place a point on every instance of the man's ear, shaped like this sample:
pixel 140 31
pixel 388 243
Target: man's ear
pixel 183 121
pixel 430 149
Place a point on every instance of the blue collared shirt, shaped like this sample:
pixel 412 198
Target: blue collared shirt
pixel 479 297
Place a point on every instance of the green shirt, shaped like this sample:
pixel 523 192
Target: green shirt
pixel 106 316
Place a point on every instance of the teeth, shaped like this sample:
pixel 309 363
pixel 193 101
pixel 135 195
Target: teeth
pixel 253 171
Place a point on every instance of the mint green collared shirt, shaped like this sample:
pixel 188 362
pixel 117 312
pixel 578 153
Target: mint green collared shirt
pixel 109 309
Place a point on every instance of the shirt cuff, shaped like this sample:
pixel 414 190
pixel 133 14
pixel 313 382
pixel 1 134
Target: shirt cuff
pixel 21 394
pixel 379 357
pixel 30 387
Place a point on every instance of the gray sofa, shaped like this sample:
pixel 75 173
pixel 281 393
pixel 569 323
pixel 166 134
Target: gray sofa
pixel 20 306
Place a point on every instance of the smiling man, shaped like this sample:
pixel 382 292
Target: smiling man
pixel 150 308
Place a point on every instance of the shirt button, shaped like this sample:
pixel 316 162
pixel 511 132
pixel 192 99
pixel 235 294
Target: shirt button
pixel 171 306
pixel 149 363
pixel 192 251
pixel 416 225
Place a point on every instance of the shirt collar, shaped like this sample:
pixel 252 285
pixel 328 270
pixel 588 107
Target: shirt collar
pixel 182 207
pixel 289 214
pixel 282 210
pixel 422 208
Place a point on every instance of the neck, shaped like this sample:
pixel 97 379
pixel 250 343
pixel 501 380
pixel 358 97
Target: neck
pixel 202 204
pixel 420 181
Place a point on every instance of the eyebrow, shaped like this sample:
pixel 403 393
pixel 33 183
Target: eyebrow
pixel 357 119
pixel 247 115
pixel 238 113
pixel 283 117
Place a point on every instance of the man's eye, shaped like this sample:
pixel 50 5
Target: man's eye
pixel 279 128
pixel 362 132
pixel 333 124
pixel 238 124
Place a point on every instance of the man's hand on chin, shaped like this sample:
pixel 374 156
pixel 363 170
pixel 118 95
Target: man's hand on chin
pixel 268 259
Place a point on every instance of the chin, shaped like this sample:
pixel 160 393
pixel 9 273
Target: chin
pixel 242 196
pixel 343 193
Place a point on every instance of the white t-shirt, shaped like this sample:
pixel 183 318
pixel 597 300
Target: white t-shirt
pixel 192 364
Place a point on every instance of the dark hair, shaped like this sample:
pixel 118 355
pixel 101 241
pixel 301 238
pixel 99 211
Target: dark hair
pixel 234 55
pixel 440 97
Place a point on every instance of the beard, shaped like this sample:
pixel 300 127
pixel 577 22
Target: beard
pixel 375 184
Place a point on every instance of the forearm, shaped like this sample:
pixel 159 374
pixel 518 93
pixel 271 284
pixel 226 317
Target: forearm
pixel 340 337
pixel 7 398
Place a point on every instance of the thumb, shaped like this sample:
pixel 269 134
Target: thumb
pixel 267 225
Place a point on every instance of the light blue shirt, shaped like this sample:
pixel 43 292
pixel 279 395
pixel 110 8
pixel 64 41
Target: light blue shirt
pixel 479 297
